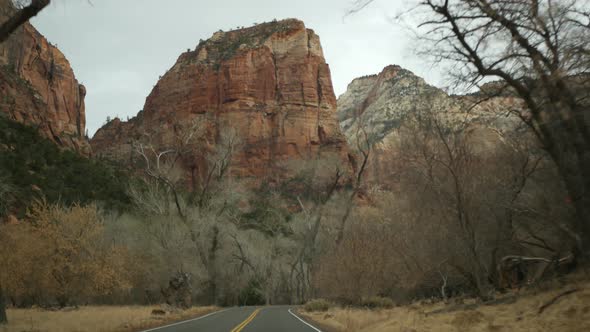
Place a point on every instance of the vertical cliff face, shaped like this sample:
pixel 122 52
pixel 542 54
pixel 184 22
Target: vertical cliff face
pixel 268 83
pixel 38 86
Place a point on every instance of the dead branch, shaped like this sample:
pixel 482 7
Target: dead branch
pixel 364 147
pixel 21 17
pixel 535 259
pixel 554 299
pixel 472 306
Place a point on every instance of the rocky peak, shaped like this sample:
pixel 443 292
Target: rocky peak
pixel 382 101
pixel 270 83
pixel 38 87
pixel 224 45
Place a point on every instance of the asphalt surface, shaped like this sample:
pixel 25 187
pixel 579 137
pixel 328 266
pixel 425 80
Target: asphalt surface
pixel 243 319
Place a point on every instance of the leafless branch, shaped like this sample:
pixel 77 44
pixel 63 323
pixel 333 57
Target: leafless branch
pixel 20 17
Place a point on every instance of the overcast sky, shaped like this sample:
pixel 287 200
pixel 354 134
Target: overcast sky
pixel 119 48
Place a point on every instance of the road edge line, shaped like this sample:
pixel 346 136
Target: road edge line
pixel 184 321
pixel 304 322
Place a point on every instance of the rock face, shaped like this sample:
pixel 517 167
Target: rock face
pixel 38 86
pixel 269 84
pixel 381 103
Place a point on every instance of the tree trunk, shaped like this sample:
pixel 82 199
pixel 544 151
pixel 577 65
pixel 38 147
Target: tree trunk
pixel 3 318
pixel 578 188
pixel 212 290
pixel 572 156
pixel 211 266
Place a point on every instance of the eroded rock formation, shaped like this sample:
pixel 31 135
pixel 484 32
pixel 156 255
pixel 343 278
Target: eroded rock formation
pixel 268 83
pixel 38 86
pixel 380 104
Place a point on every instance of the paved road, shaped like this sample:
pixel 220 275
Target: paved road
pixel 244 319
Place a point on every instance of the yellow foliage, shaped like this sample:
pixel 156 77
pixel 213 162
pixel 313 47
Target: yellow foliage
pixel 60 254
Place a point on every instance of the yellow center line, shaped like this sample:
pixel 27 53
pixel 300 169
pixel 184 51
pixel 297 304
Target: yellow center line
pixel 246 322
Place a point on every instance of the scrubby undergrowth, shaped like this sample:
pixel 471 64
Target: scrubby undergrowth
pixel 538 308
pixel 95 318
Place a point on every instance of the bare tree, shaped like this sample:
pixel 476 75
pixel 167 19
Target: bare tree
pixel 266 264
pixel 219 161
pixel 539 50
pixel 157 168
pixel 363 148
pixel 448 165
pixel 360 266
pixel 165 167
pixel 321 178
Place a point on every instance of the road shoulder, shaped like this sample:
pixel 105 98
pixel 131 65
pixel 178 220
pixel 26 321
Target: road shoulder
pixel 301 315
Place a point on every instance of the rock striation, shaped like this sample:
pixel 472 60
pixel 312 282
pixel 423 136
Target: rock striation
pixel 269 84
pixel 38 87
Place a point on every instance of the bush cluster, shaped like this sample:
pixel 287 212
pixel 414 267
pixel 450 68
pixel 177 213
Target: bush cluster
pixel 317 305
pixel 377 302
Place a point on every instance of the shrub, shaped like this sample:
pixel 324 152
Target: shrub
pixel 317 305
pixel 60 255
pixel 377 302
pixel 251 295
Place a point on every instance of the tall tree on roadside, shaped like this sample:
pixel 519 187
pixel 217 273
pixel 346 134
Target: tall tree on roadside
pixel 540 50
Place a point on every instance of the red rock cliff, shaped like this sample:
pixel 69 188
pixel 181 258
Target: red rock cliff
pixel 270 83
pixel 38 86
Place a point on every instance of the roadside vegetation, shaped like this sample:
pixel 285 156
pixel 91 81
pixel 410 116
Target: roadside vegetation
pixel 555 306
pixel 228 242
pixel 96 319
pixel 470 233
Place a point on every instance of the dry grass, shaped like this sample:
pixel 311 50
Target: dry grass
pixel 568 314
pixel 94 318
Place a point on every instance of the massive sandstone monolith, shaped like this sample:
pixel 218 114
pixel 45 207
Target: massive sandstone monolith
pixel 269 83
pixel 38 86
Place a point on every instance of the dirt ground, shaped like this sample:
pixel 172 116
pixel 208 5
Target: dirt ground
pixel 94 319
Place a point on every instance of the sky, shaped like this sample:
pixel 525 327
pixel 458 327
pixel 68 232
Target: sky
pixel 119 48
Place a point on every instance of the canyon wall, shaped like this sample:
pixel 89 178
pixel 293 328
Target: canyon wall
pixel 38 87
pixel 267 88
